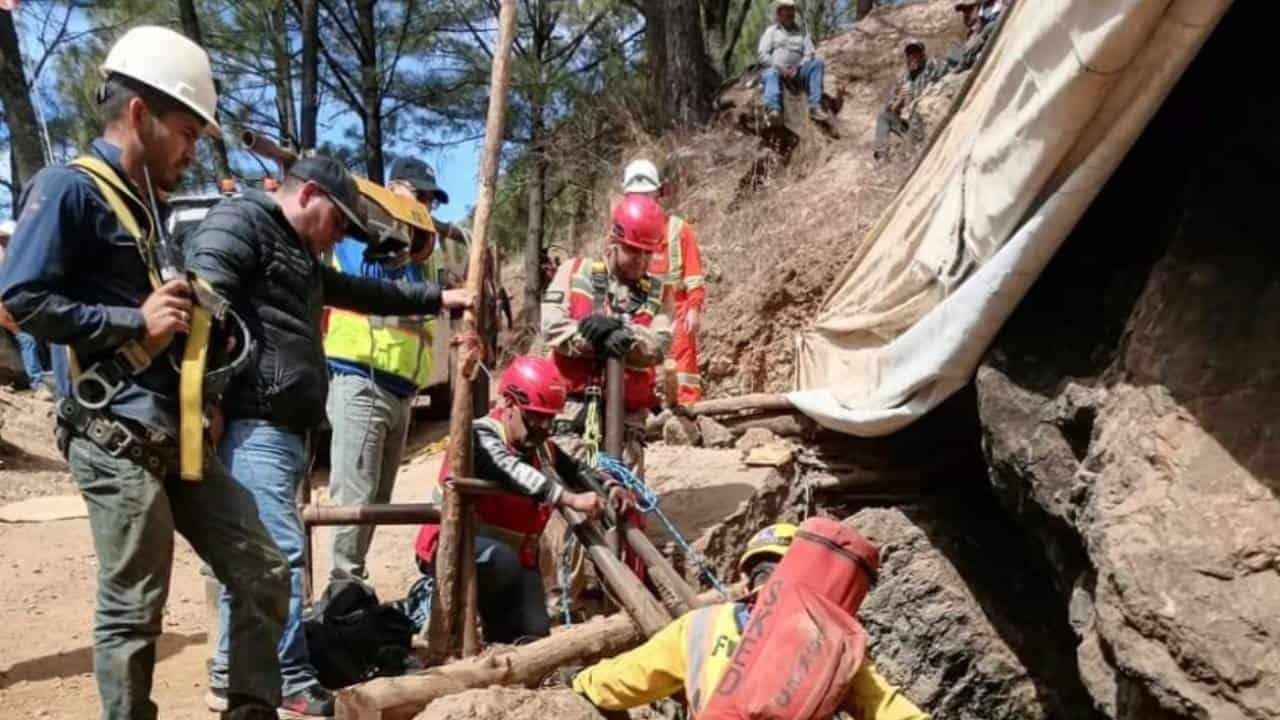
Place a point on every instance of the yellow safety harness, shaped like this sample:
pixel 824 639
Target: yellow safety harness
pixel 132 354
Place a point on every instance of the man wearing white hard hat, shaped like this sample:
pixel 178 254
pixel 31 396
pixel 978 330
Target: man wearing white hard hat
pixel 83 271
pixel 679 265
pixel 787 53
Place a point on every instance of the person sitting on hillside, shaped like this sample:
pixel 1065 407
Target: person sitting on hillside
pixel 899 116
pixel 788 55
pixel 512 447
pixel 695 652
pixel 979 18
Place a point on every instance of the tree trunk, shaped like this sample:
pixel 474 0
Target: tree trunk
pixel 690 81
pixel 655 38
pixel 862 8
pixel 191 28
pixel 20 114
pixel 370 90
pixel 735 34
pixel 537 212
pixel 310 74
pixel 715 23
pixel 284 73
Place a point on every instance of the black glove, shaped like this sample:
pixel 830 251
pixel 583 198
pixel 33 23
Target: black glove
pixel 596 328
pixel 619 343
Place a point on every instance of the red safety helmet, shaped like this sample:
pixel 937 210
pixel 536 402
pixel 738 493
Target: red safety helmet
pixel 639 221
pixel 535 385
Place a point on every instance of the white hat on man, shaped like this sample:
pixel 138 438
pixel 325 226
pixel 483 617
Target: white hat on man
pixel 641 176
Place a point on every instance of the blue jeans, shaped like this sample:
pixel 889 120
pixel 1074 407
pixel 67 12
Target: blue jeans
pixel 810 74
pixel 133 513
pixel 270 461
pixel 32 360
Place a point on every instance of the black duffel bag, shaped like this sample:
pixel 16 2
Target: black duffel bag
pixel 351 637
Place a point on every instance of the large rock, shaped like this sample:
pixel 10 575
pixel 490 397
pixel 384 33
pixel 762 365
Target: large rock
pixel 1128 410
pixel 511 704
pixel 959 616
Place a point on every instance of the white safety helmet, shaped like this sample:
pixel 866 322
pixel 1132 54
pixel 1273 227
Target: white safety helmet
pixel 641 176
pixel 170 63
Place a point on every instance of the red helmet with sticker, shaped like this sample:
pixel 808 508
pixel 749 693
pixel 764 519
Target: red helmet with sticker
pixel 640 222
pixel 535 385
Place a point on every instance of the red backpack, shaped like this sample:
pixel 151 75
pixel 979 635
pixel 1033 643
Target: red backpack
pixel 801 647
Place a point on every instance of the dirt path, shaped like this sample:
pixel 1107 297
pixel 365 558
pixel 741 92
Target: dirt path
pixel 47 600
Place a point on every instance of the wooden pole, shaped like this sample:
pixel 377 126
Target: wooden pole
pixel 396 514
pixel 441 628
pixel 625 586
pixel 676 594
pixel 524 665
pixel 757 402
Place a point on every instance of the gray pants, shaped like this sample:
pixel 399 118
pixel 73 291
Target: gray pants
pixel 370 426
pixel 132 515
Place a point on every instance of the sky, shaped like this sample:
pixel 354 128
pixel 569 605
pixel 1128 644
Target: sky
pixel 456 165
pixel 457 168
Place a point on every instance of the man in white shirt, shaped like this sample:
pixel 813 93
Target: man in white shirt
pixel 787 53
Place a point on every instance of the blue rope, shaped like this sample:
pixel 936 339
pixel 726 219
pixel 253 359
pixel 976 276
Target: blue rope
pixel 647 502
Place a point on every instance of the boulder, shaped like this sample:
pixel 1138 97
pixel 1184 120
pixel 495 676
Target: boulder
pixel 958 617
pixel 754 438
pixel 680 431
pixel 1128 411
pixel 714 434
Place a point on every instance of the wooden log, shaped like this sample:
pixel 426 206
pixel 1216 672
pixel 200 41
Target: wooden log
pixel 781 424
pixel 756 402
pixel 676 594
pixel 393 514
pixel 442 625
pixel 617 577
pixel 524 665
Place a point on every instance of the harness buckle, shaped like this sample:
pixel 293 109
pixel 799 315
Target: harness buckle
pixel 94 390
pixel 112 436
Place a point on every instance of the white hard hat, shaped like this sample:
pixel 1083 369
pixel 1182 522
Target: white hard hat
pixel 7 227
pixel 170 63
pixel 641 176
pixel 784 3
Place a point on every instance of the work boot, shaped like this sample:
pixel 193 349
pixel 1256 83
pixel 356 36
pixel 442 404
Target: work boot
pixel 772 117
pixel 215 698
pixel 249 711
pixel 314 702
pixel 818 115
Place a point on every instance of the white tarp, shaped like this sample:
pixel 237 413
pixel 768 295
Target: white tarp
pixel 1065 91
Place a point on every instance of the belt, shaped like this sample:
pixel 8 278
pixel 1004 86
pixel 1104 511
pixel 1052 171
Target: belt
pixel 116 438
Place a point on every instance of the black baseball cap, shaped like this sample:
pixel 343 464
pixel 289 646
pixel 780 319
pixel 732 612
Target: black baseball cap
pixel 336 182
pixel 419 175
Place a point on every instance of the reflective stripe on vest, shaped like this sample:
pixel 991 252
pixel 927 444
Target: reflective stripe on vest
pixel 712 636
pixel 397 346
pixel 675 252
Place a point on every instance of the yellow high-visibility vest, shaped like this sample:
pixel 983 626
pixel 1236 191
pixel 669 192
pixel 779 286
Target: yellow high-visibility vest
pixel 399 346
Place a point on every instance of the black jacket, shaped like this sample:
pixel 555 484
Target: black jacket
pixel 247 250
